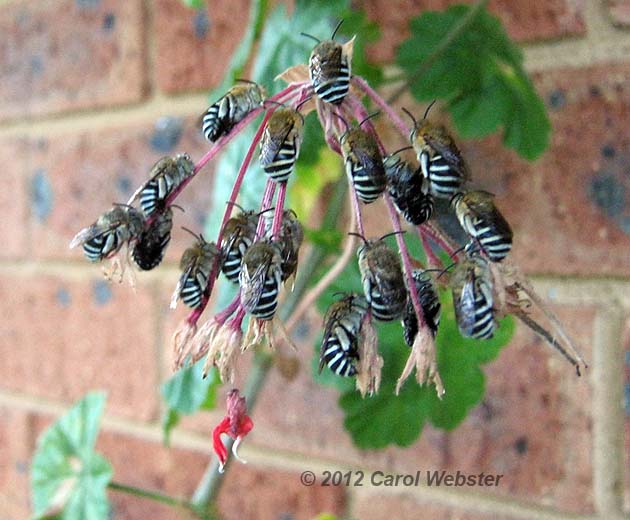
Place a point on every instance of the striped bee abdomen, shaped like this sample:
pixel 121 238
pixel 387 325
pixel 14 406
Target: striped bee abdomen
pixel 268 302
pixel 196 264
pixel 329 70
pixel 193 288
pixel 409 190
pixel 444 180
pixel 342 326
pixel 280 169
pixel 431 307
pixel 166 175
pixel 234 257
pixel 364 164
pixel 101 246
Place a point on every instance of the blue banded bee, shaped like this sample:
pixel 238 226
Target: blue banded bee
pixel 441 162
pixel 342 328
pixel 260 279
pixel 472 296
pixel 290 240
pixel 382 279
pixel 364 163
pixel 240 232
pixel 408 189
pixel 109 233
pixel 280 143
pixel 430 303
pixel 329 69
pixel 196 265
pixel 149 249
pixel 166 175
pixel 232 108
pixel 480 218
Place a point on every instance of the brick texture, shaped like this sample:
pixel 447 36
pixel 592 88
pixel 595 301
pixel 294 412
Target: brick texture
pixel 15 454
pixel 63 337
pixel 193 47
pixel 13 200
pixel 374 506
pixel 524 21
pixel 81 175
pixel 626 412
pixel 619 12
pixel 67 55
pixel 577 192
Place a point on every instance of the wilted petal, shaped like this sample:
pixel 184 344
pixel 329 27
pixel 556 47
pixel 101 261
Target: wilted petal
pixel 370 363
pixel 182 342
pixel 423 357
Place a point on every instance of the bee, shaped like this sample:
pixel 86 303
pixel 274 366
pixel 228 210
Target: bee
pixel 329 69
pixel 280 143
pixel 232 108
pixel 408 189
pixel 364 163
pixel 149 249
pixel 441 162
pixel 196 265
pixel 382 279
pixel 291 237
pixel 342 327
pixel 480 218
pixel 472 296
pixel 240 232
pixel 166 175
pixel 109 233
pixel 430 303
pixel 260 279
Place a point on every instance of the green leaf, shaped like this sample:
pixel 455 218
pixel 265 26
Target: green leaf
pixel 68 479
pixel 466 58
pixel 385 419
pixel 186 392
pixel 194 4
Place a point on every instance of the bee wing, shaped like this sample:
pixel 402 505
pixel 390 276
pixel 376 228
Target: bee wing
pixel 273 141
pixel 451 154
pixel 93 231
pixel 370 161
pixel 252 286
pixel 484 209
pixel 465 310
pixel 180 285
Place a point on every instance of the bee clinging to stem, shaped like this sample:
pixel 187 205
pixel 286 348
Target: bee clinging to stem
pixel 196 264
pixel 149 249
pixel 231 108
pixel 430 303
pixel 109 233
pixel 382 278
pixel 260 279
pixel 329 68
pixel 239 233
pixel 342 331
pixel 441 162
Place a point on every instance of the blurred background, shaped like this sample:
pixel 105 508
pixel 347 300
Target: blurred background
pixel 93 92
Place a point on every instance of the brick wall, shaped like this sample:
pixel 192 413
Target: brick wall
pixel 92 92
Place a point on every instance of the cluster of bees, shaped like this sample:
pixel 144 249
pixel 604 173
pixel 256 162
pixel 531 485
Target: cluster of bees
pixel 249 254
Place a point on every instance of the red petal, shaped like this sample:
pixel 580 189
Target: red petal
pixel 217 443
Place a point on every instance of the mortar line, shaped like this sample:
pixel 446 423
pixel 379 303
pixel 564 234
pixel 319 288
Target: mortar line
pixel 608 445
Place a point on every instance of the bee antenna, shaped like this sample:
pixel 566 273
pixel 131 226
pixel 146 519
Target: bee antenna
pixel 123 205
pixel 344 121
pixel 336 29
pixel 374 114
pixel 339 293
pixel 392 233
pixel 178 207
pixel 234 203
pixel 243 80
pixel 445 270
pixel 415 123
pixel 264 211
pixel 426 112
pixel 310 36
pixel 197 236
pixel 360 236
pixel 457 251
pixel 305 100
pixel 275 103
pixel 401 150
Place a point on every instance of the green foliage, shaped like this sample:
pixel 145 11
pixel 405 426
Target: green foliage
pixel 479 73
pixel 194 4
pixel 69 479
pixel 187 392
pixel 385 419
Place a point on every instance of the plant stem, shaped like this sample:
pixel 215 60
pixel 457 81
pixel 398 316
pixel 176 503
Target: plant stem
pixel 445 43
pixel 157 497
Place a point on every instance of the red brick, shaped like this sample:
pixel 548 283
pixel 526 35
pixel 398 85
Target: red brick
pixel 525 21
pixel 373 506
pixel 13 199
pixel 15 454
pixel 193 47
pixel 626 411
pixel 533 427
pixel 619 12
pixel 569 210
pixel 87 172
pixel 256 493
pixel 67 55
pixel 63 337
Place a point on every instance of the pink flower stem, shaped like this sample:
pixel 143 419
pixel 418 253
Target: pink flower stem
pixel 406 260
pixel 237 321
pixel 223 316
pixel 430 230
pixel 432 258
pixel 270 189
pixel 382 104
pixel 277 216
